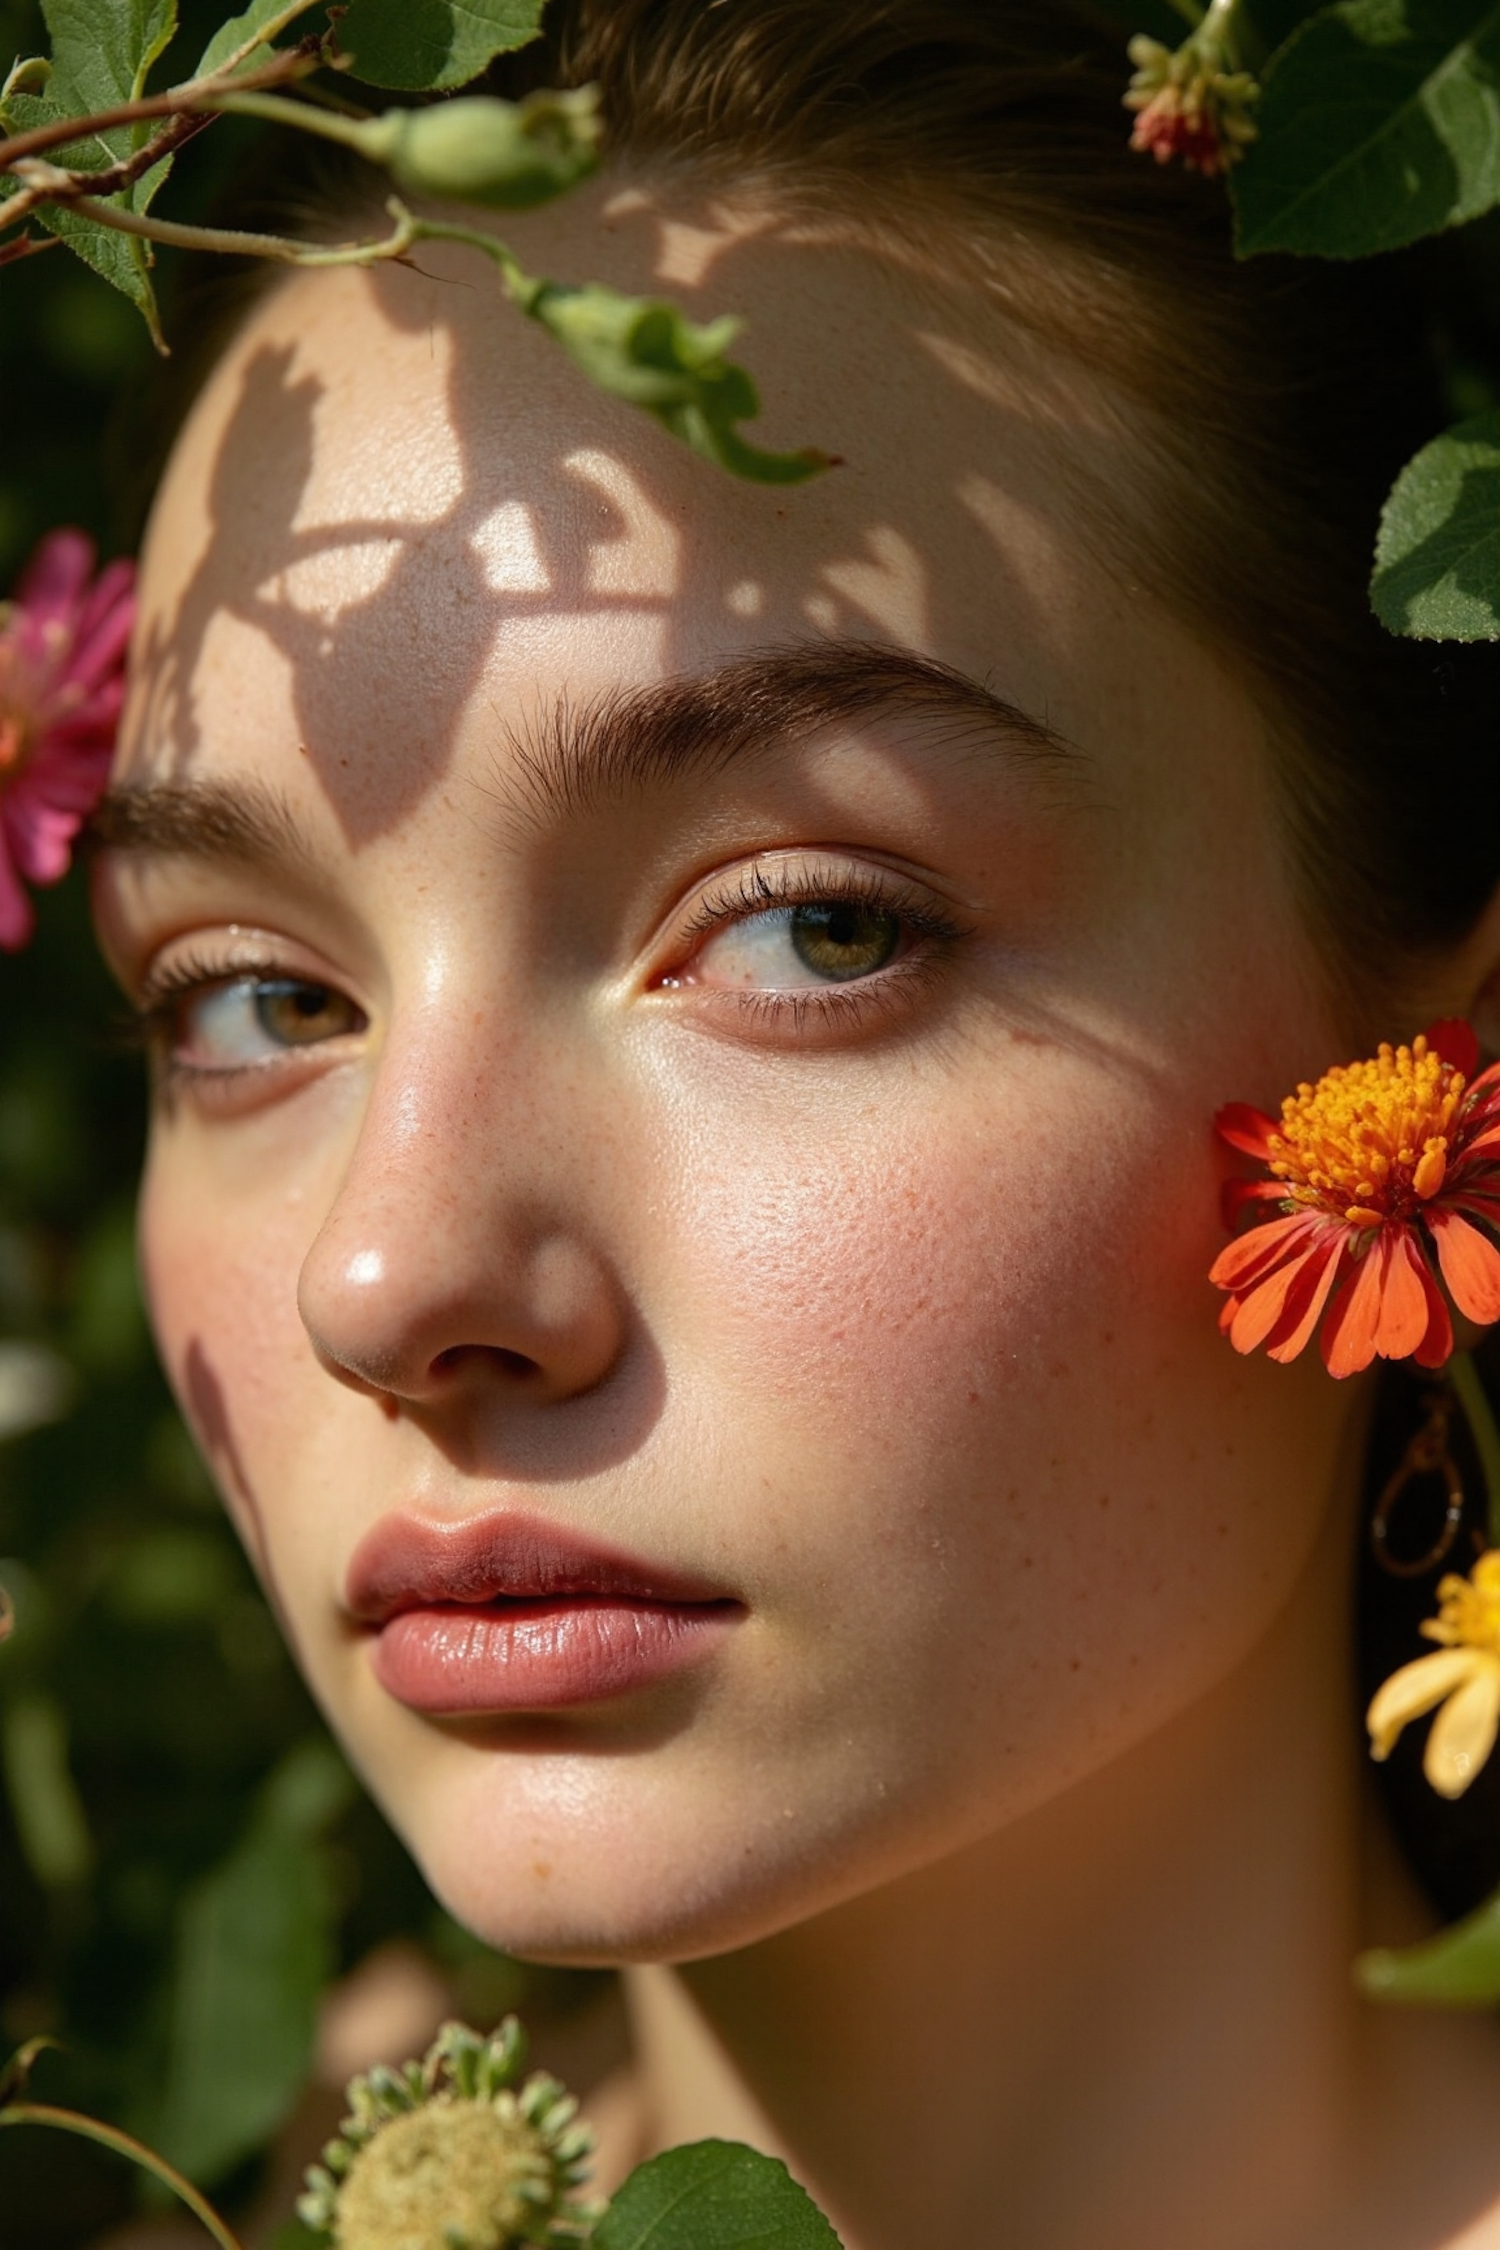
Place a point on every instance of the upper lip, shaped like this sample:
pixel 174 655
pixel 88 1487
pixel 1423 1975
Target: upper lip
pixel 410 1562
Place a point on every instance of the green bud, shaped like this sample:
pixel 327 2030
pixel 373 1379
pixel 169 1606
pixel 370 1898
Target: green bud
pixel 509 155
pixel 29 76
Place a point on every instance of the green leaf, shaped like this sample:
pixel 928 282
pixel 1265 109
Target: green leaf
pixel 254 1951
pixel 1459 1968
pixel 103 49
pixel 101 56
pixel 713 2195
pixel 1378 122
pixel 646 351
pixel 422 46
pixel 270 16
pixel 1437 559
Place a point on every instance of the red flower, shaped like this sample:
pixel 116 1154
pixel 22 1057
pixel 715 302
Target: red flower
pixel 62 655
pixel 1192 102
pixel 1386 1174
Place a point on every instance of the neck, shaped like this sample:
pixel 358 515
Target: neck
pixel 1127 2019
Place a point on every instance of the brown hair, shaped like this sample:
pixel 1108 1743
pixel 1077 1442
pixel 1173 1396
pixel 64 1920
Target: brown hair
pixel 1264 407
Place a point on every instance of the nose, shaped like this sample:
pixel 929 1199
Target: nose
pixel 458 1252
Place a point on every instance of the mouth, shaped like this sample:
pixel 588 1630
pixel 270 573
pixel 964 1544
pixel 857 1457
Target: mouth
pixel 509 1613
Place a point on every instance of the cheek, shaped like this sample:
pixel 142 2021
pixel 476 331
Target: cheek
pixel 978 1367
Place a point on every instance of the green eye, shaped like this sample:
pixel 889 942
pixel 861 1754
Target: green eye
pixel 843 938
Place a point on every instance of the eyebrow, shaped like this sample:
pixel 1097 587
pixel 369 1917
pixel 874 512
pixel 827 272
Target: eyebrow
pixel 243 823
pixel 630 740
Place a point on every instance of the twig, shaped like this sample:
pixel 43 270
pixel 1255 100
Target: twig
pixel 174 102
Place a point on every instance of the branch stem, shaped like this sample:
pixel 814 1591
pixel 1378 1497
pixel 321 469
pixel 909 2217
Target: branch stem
pixel 123 2144
pixel 1464 1376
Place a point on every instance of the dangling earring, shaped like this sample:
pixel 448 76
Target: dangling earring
pixel 1427 1454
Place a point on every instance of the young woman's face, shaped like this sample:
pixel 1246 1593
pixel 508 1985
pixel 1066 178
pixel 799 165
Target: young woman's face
pixel 682 1175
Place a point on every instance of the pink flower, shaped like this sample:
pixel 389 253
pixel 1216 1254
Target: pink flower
pixel 62 664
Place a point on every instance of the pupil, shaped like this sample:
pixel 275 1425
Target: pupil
pixel 843 939
pixel 290 1011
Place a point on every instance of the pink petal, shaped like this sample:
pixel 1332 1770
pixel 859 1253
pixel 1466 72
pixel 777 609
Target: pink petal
pixel 1470 1263
pixel 54 579
pixel 16 918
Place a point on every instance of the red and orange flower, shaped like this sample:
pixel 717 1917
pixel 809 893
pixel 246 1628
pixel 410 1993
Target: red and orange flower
pixel 1385 1176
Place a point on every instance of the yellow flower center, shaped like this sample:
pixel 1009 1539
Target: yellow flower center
pixel 1469 1608
pixel 453 2175
pixel 1371 1140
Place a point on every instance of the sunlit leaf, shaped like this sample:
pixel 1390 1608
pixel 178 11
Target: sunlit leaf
pixel 1378 122
pixel 647 351
pixel 1437 561
pixel 713 2195
pixel 255 1948
pixel 101 55
pixel 426 45
pixel 270 16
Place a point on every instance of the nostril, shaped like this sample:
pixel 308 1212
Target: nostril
pixel 517 1365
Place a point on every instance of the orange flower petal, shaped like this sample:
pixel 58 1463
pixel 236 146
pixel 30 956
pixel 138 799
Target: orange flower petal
pixel 1251 1256
pixel 1263 1304
pixel 1352 1326
pixel 1245 1128
pixel 1405 1296
pixel 1304 1304
pixel 1470 1263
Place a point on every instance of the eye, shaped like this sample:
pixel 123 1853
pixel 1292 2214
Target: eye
pixel 827 941
pixel 209 1025
pixel 801 925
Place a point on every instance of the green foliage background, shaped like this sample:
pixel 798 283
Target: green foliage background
pixel 184 1861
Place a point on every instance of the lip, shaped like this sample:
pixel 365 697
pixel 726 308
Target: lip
pixel 507 1612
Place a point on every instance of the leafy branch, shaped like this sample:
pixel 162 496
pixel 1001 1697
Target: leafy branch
pixel 90 146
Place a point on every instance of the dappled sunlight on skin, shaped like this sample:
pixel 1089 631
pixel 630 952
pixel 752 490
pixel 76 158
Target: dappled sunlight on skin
pixel 491 530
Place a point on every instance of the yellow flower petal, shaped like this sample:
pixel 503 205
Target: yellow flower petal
pixel 1463 1733
pixel 1411 1692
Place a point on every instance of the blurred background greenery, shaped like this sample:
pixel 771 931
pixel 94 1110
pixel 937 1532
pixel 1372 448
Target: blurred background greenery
pixel 185 1865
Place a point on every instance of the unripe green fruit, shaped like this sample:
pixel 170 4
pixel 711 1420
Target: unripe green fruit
pixel 509 155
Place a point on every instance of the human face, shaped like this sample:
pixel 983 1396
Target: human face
pixel 731 1165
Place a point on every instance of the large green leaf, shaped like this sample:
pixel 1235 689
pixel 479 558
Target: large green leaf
pixel 1378 122
pixel 423 45
pixel 713 2195
pixel 102 51
pixel 1437 561
pixel 254 1951
pixel 418 46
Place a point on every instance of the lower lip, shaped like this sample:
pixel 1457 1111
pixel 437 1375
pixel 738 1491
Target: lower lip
pixel 543 1655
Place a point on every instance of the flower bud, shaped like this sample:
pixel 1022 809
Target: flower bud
pixel 509 155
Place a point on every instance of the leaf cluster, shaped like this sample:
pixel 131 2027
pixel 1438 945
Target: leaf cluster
pixel 90 138
pixel 1378 124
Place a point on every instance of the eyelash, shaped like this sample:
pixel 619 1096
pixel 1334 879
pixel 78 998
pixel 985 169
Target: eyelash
pixel 759 890
pixel 153 1024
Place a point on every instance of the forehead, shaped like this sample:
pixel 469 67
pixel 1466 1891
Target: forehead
pixel 398 516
